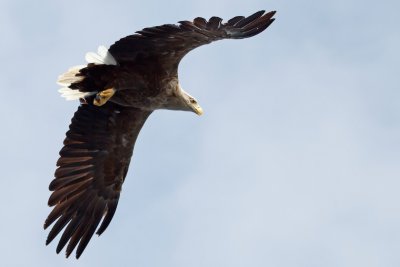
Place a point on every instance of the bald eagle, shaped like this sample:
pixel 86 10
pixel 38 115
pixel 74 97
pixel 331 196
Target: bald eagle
pixel 118 89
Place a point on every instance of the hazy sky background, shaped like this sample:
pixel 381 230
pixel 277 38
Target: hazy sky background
pixel 296 161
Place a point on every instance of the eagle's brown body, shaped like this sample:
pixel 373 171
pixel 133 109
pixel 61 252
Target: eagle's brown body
pixel 142 72
pixel 149 90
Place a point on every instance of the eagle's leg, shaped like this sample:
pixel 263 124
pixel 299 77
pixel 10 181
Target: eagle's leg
pixel 102 97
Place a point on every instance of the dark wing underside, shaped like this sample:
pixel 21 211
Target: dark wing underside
pixel 91 169
pixel 167 44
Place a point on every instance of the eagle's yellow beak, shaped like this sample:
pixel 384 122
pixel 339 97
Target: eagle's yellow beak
pixel 197 109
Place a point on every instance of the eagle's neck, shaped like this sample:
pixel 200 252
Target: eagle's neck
pixel 173 97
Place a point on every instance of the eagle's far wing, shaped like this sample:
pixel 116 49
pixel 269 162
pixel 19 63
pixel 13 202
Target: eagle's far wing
pixel 167 44
pixel 91 169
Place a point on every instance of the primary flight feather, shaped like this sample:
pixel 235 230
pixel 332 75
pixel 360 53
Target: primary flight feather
pixel 118 89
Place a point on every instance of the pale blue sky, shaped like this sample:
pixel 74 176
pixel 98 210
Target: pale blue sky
pixel 296 161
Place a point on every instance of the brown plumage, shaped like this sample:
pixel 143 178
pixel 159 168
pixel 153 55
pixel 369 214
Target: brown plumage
pixel 141 72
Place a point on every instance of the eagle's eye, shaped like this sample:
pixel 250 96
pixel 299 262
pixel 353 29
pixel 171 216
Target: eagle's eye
pixel 193 101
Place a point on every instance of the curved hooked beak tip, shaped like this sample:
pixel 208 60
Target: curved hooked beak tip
pixel 197 109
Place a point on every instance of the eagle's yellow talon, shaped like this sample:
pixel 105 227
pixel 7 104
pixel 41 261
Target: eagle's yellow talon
pixel 103 97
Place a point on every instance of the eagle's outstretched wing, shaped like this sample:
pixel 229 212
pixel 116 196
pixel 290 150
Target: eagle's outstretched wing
pixel 91 169
pixel 167 44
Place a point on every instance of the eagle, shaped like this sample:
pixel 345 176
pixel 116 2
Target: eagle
pixel 118 89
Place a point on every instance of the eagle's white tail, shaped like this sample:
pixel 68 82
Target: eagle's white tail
pixel 102 57
pixel 71 76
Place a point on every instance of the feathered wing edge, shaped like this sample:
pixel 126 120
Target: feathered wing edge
pixel 91 169
pixel 238 27
pixel 171 42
